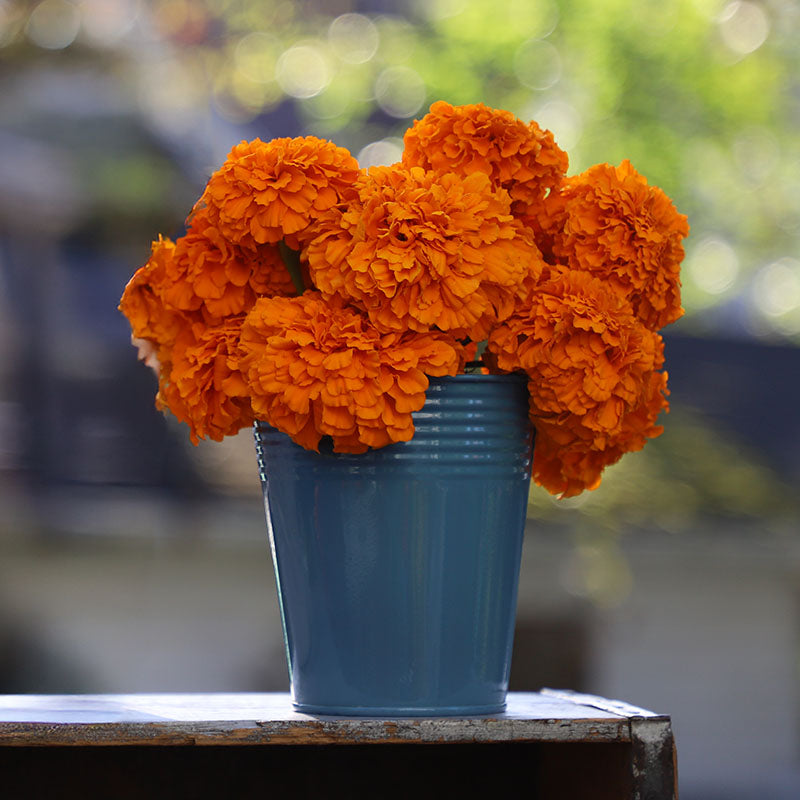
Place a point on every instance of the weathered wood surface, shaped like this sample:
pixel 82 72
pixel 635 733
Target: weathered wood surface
pixel 246 719
pixel 563 744
pixel 654 765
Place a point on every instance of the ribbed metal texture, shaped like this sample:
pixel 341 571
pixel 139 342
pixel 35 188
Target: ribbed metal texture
pixel 397 569
pixel 475 425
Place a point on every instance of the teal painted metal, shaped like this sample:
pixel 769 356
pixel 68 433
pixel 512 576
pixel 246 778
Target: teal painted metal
pixel 397 569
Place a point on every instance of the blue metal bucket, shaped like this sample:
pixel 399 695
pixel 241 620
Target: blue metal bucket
pixel 397 569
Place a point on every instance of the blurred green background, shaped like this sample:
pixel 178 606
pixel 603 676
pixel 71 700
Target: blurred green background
pixel 113 113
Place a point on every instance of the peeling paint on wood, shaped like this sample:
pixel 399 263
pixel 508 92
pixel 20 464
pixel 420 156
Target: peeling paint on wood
pixel 654 766
pixel 262 718
pixel 546 719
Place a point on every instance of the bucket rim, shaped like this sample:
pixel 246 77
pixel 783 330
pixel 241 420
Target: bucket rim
pixel 477 377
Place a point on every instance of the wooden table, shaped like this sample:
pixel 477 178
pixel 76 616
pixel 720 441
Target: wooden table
pixel 549 744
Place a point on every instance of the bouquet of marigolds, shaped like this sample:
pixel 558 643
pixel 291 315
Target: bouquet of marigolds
pixel 319 297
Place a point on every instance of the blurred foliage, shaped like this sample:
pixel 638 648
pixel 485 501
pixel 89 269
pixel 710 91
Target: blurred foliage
pixel 694 477
pixel 693 470
pixel 702 95
pixel 147 96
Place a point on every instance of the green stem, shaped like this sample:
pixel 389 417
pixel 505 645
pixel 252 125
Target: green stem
pixel 477 364
pixel 291 259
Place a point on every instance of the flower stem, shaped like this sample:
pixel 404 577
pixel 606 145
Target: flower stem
pixel 291 260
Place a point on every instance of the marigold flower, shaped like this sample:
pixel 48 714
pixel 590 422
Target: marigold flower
pixel 142 300
pixel 566 462
pixel 205 387
pixel 206 269
pixel 417 249
pixel 268 191
pixel 591 365
pixel 476 235
pixel 628 233
pixel 317 367
pixel 545 221
pixel 522 159
pixel 183 305
pixel 565 466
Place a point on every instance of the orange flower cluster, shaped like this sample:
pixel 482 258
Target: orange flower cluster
pixel 417 249
pixel 595 390
pixel 320 297
pixel 318 367
pixel 522 159
pixel 627 233
pixel 266 192
pixel 142 301
pixel 209 271
pixel 155 326
pixel 205 387
pixel 188 301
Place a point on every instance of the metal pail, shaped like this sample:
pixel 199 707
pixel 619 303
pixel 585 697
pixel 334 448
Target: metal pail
pixel 397 569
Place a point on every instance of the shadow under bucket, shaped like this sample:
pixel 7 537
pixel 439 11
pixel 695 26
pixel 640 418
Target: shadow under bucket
pixel 397 569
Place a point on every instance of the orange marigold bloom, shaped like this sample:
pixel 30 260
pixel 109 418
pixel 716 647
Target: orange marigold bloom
pixel 176 304
pixel 197 353
pixel 417 249
pixel 566 461
pixel 205 387
pixel 317 367
pixel 268 191
pixel 628 233
pixel 206 269
pixel 564 465
pixel 545 221
pixel 155 325
pixel 143 303
pixel 594 385
pixel 522 159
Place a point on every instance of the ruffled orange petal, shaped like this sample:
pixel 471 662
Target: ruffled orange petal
pixel 268 191
pixel 595 390
pixel 611 223
pixel 523 159
pixel 205 387
pixel 312 362
pixel 417 250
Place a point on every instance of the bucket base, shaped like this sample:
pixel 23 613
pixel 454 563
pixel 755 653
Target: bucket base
pixel 393 711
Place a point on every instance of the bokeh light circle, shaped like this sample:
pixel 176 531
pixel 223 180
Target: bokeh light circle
pixel 744 26
pixel 256 56
pixel 303 71
pixel 563 119
pixel 353 38
pixel 400 91
pixel 776 288
pixel 53 24
pixel 537 64
pixel 382 153
pixel 713 265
